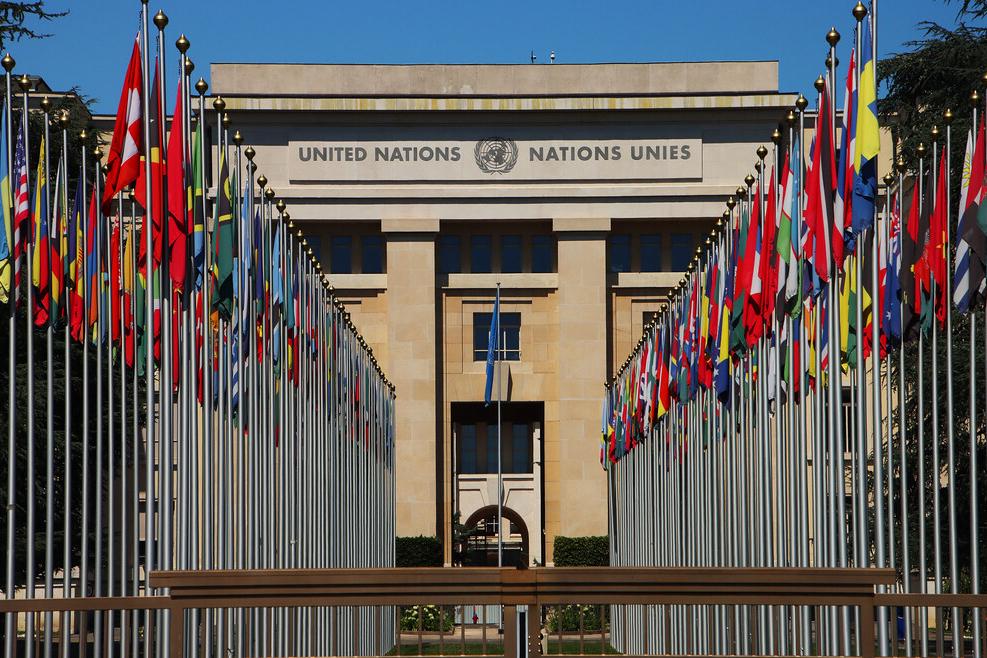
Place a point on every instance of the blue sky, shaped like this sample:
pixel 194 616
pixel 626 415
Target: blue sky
pixel 90 47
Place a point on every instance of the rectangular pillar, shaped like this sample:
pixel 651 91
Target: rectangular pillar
pixel 412 367
pixel 575 478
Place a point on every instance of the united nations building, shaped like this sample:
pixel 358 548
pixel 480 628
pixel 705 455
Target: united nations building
pixel 582 190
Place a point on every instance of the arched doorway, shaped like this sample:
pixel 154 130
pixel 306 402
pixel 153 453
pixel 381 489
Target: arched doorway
pixel 477 547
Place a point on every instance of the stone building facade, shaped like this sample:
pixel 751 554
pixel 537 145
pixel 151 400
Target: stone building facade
pixel 583 190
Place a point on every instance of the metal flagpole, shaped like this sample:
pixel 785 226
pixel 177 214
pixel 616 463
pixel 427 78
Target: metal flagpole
pixel 149 473
pixel 67 475
pixel 974 517
pixel 922 555
pixel 950 438
pixel 50 387
pixel 500 475
pixel 936 466
pixel 14 177
pixel 30 580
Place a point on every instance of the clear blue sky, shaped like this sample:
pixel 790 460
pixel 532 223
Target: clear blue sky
pixel 90 46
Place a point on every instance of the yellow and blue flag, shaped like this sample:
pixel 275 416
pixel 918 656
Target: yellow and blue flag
pixel 868 139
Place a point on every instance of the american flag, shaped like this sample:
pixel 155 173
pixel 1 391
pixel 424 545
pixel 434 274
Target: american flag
pixel 21 203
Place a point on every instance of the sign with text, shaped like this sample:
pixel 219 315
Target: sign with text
pixel 495 158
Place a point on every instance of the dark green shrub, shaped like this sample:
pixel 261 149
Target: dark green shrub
pixel 420 551
pixel 582 551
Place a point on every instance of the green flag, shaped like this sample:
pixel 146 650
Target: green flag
pixel 223 244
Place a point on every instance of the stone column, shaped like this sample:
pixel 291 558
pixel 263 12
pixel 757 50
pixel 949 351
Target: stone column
pixel 575 485
pixel 412 367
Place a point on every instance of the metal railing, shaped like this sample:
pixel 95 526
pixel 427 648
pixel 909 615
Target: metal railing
pixel 353 610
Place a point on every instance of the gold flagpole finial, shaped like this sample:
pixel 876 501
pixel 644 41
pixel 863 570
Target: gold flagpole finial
pixel 935 133
pixel 900 165
pixel 974 98
pixel 801 103
pixel 160 20
pixel 286 217
pixel 250 153
pixel 731 202
pixel 189 66
pixel 8 63
pixel 790 118
pixel 776 136
pixel 24 83
pixel 45 105
pixel 859 11
pixel 819 84
pixel 829 62
pixel 269 194
pixel 920 149
pixel 202 87
pixel 262 181
pixel 183 44
pixel 762 152
pixel 749 180
pixel 227 120
pixel 237 137
pixel 888 179
pixel 281 205
pixel 832 37
pixel 947 116
pixel 218 104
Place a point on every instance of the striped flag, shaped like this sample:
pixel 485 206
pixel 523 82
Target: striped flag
pixel 971 244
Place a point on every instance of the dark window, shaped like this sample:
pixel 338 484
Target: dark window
pixel 467 448
pixel 510 331
pixel 520 449
pixel 542 253
pixel 491 431
pixel 449 261
pixel 315 242
pixel 372 253
pixel 681 245
pixel 342 255
pixel 478 448
pixel 620 253
pixel 480 254
pixel 651 252
pixel 510 253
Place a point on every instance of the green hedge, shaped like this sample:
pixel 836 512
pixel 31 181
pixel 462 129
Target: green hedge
pixel 420 551
pixel 582 551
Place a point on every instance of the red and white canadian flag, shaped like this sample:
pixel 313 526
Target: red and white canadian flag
pixel 123 158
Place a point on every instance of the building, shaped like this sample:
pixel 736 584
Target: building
pixel 583 190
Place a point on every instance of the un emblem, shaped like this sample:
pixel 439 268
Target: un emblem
pixel 495 155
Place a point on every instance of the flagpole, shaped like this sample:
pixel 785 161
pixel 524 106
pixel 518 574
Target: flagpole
pixel 922 553
pixel 50 389
pixel 149 473
pixel 14 177
pixel 63 120
pixel 974 517
pixel 500 475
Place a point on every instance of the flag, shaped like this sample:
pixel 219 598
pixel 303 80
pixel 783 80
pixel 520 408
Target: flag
pixel 198 218
pixel 6 219
pixel 868 139
pixel 971 243
pixel 93 272
pixel 123 157
pixel 21 204
pixel 76 268
pixel 178 229
pixel 891 309
pixel 936 246
pixel 223 244
pixel 789 266
pixel 493 345
pixel 154 209
pixel 911 252
pixel 843 203
pixel 769 254
pixel 41 265
pixel 58 241
pixel 819 209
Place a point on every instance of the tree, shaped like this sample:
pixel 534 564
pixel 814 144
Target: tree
pixel 939 72
pixel 14 15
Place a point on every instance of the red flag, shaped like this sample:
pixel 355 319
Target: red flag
pixel 820 187
pixel 749 274
pixel 115 275
pixel 123 158
pixel 936 246
pixel 769 255
pixel 178 229
pixel 154 142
